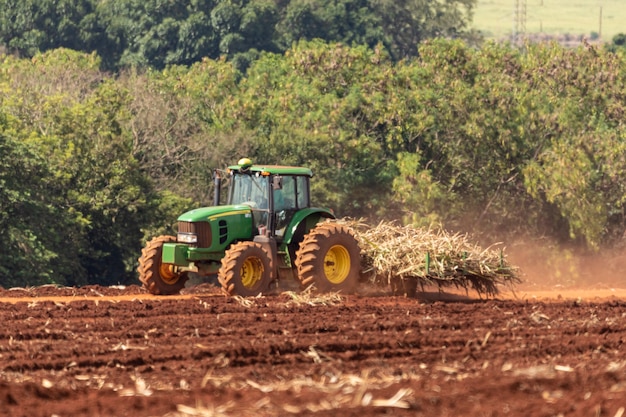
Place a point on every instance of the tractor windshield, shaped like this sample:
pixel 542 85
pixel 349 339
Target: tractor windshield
pixel 250 189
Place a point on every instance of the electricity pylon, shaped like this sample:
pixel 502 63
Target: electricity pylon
pixel 519 22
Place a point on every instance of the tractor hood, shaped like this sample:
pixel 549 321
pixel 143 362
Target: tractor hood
pixel 214 212
pixel 216 228
pixel 205 233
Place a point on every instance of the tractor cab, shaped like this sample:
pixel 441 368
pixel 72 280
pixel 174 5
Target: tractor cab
pixel 273 193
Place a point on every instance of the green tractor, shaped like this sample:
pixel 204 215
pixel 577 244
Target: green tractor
pixel 268 230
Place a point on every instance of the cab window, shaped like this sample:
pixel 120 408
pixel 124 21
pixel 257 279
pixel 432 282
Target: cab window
pixel 302 192
pixel 251 190
pixel 285 197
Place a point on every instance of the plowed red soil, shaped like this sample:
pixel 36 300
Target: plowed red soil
pixel 98 351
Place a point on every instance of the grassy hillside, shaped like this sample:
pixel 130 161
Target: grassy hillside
pixel 496 18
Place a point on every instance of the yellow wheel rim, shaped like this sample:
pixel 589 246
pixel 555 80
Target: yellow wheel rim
pixel 167 274
pixel 337 264
pixel 251 272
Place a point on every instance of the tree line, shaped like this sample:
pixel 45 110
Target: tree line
pixel 157 33
pixel 493 140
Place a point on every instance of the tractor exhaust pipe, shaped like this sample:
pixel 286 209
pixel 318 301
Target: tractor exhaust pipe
pixel 217 183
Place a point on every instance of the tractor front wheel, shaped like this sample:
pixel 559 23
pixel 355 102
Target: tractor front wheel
pixel 246 270
pixel 329 257
pixel 158 277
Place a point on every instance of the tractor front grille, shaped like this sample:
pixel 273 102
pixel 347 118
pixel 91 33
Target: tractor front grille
pixel 201 229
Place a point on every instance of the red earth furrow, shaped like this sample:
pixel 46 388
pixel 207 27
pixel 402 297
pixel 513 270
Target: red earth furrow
pixel 122 352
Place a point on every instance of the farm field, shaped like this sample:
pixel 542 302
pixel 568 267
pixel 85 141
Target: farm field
pixel 99 351
pixel 496 18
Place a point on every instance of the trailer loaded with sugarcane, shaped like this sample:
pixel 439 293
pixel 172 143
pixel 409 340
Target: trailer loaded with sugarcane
pixel 407 258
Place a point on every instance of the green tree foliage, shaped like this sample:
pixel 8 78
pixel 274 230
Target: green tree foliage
pixel 30 250
pixel 546 122
pixel 618 44
pixel 491 139
pixel 407 23
pixel 481 128
pixel 30 26
pixel 155 32
pixel 158 33
pixel 353 22
pixel 312 107
pixel 415 188
pixel 95 193
pixel 183 125
pixel 478 136
pixel 580 168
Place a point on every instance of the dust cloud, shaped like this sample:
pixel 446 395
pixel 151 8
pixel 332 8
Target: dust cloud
pixel 547 266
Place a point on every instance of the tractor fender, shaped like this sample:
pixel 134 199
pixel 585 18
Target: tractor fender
pixel 308 217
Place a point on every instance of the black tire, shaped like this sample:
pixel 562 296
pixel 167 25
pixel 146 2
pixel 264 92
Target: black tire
pixel 246 270
pixel 329 257
pixel 157 277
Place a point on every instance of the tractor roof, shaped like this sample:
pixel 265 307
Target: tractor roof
pixel 246 164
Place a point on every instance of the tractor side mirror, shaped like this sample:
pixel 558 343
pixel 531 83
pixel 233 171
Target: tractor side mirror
pixel 277 182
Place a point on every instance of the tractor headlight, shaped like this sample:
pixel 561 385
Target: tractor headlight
pixel 187 238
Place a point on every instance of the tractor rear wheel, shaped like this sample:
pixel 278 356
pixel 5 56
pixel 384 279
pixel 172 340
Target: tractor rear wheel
pixel 246 270
pixel 329 257
pixel 158 277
